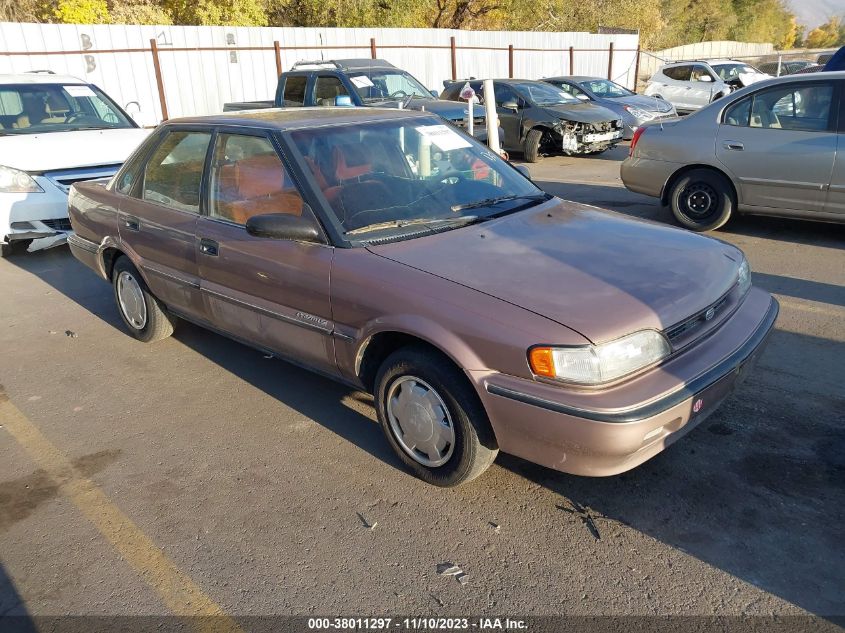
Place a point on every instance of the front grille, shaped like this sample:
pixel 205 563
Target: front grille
pixel 477 122
pixel 604 126
pixel 677 331
pixel 59 224
pixel 64 178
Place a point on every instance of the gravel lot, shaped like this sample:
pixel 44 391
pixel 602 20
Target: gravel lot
pixel 265 489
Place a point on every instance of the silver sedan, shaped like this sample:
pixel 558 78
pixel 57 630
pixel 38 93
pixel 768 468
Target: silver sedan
pixel 774 148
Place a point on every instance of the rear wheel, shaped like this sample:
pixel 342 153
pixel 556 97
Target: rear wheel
pixel 143 314
pixel 432 417
pixel 531 146
pixel 702 200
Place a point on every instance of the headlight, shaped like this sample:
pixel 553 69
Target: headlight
pixel 597 364
pixel 16 181
pixel 637 113
pixel 743 277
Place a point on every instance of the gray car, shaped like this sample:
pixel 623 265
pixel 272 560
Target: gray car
pixel 774 148
pixel 634 109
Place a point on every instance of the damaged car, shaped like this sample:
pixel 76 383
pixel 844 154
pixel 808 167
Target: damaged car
pixel 540 119
pixel 54 131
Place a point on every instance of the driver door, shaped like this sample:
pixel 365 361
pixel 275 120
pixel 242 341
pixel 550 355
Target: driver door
pixel 272 293
pixel 511 119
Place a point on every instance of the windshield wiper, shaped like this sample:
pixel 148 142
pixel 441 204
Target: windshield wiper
pixel 490 202
pixel 398 224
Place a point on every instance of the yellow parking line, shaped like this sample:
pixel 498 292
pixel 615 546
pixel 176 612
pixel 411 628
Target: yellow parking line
pixel 178 592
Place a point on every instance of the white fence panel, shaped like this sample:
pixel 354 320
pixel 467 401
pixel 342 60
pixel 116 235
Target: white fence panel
pixel 200 81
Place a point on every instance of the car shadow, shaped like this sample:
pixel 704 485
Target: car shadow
pixel 14 616
pixel 316 397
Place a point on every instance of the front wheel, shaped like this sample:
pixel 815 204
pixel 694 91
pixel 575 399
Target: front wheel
pixel 143 314
pixel 432 418
pixel 702 200
pixel 531 147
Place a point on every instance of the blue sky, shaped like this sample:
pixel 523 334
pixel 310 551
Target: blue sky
pixel 815 12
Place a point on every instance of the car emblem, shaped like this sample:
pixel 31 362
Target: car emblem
pixel 697 406
pixel 708 316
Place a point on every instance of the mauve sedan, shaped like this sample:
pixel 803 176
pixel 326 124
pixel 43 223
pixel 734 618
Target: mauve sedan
pixel 634 109
pixel 393 252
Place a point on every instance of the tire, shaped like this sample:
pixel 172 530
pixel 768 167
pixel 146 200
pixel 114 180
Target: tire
pixel 531 146
pixel 144 315
pixel 702 200
pixel 435 386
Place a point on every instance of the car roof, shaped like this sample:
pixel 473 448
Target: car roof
pixel 363 63
pixel 297 118
pixel 576 78
pixel 39 78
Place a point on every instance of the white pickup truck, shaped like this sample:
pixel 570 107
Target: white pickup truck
pixel 54 131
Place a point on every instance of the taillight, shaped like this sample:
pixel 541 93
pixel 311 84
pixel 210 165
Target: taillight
pixel 637 134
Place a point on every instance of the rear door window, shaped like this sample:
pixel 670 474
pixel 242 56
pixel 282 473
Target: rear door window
pixel 173 175
pixel 800 107
pixel 678 73
pixel 294 93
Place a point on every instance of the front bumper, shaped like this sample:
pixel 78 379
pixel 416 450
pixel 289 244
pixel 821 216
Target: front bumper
pixel 566 430
pixel 23 215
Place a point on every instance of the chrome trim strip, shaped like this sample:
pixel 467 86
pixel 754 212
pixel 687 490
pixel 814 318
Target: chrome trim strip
pixel 80 242
pixel 690 389
pixel 765 182
pixel 328 329
pixel 161 273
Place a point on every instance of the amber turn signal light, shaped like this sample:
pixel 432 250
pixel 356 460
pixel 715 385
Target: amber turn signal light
pixel 542 362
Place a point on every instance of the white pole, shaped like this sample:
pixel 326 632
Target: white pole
pixel 780 59
pixel 491 116
pixel 425 156
pixel 470 122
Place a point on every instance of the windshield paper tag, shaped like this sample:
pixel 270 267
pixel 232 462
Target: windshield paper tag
pixel 362 81
pixel 79 91
pixel 446 139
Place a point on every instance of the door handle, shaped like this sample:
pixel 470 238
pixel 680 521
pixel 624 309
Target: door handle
pixel 208 247
pixel 132 223
pixel 735 146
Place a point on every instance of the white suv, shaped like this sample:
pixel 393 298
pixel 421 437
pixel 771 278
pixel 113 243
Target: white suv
pixel 54 131
pixel 691 85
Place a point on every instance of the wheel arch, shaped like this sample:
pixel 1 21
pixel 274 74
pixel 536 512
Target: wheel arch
pixel 667 188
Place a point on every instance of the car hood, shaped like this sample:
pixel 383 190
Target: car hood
pixel 596 272
pixel 649 104
pixel 66 150
pixel 446 109
pixel 746 79
pixel 581 112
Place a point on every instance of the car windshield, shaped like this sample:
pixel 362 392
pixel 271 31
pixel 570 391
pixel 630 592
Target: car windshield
pixel 605 88
pixel 543 94
pixel 400 178
pixel 382 85
pixel 39 108
pixel 731 71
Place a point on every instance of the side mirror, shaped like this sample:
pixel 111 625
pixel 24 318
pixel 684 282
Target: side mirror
pixel 343 101
pixel 705 78
pixel 434 94
pixel 522 169
pixel 582 97
pixel 510 105
pixel 284 226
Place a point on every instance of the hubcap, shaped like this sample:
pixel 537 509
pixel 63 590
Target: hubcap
pixel 420 421
pixel 131 300
pixel 700 199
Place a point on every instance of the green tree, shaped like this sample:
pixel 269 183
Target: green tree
pixel 139 12
pixel 692 21
pixel 827 35
pixel 82 12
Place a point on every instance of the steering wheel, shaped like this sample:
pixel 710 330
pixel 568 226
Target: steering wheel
pixel 398 94
pixel 451 177
pixel 75 116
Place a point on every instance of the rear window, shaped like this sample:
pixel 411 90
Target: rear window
pixel 294 93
